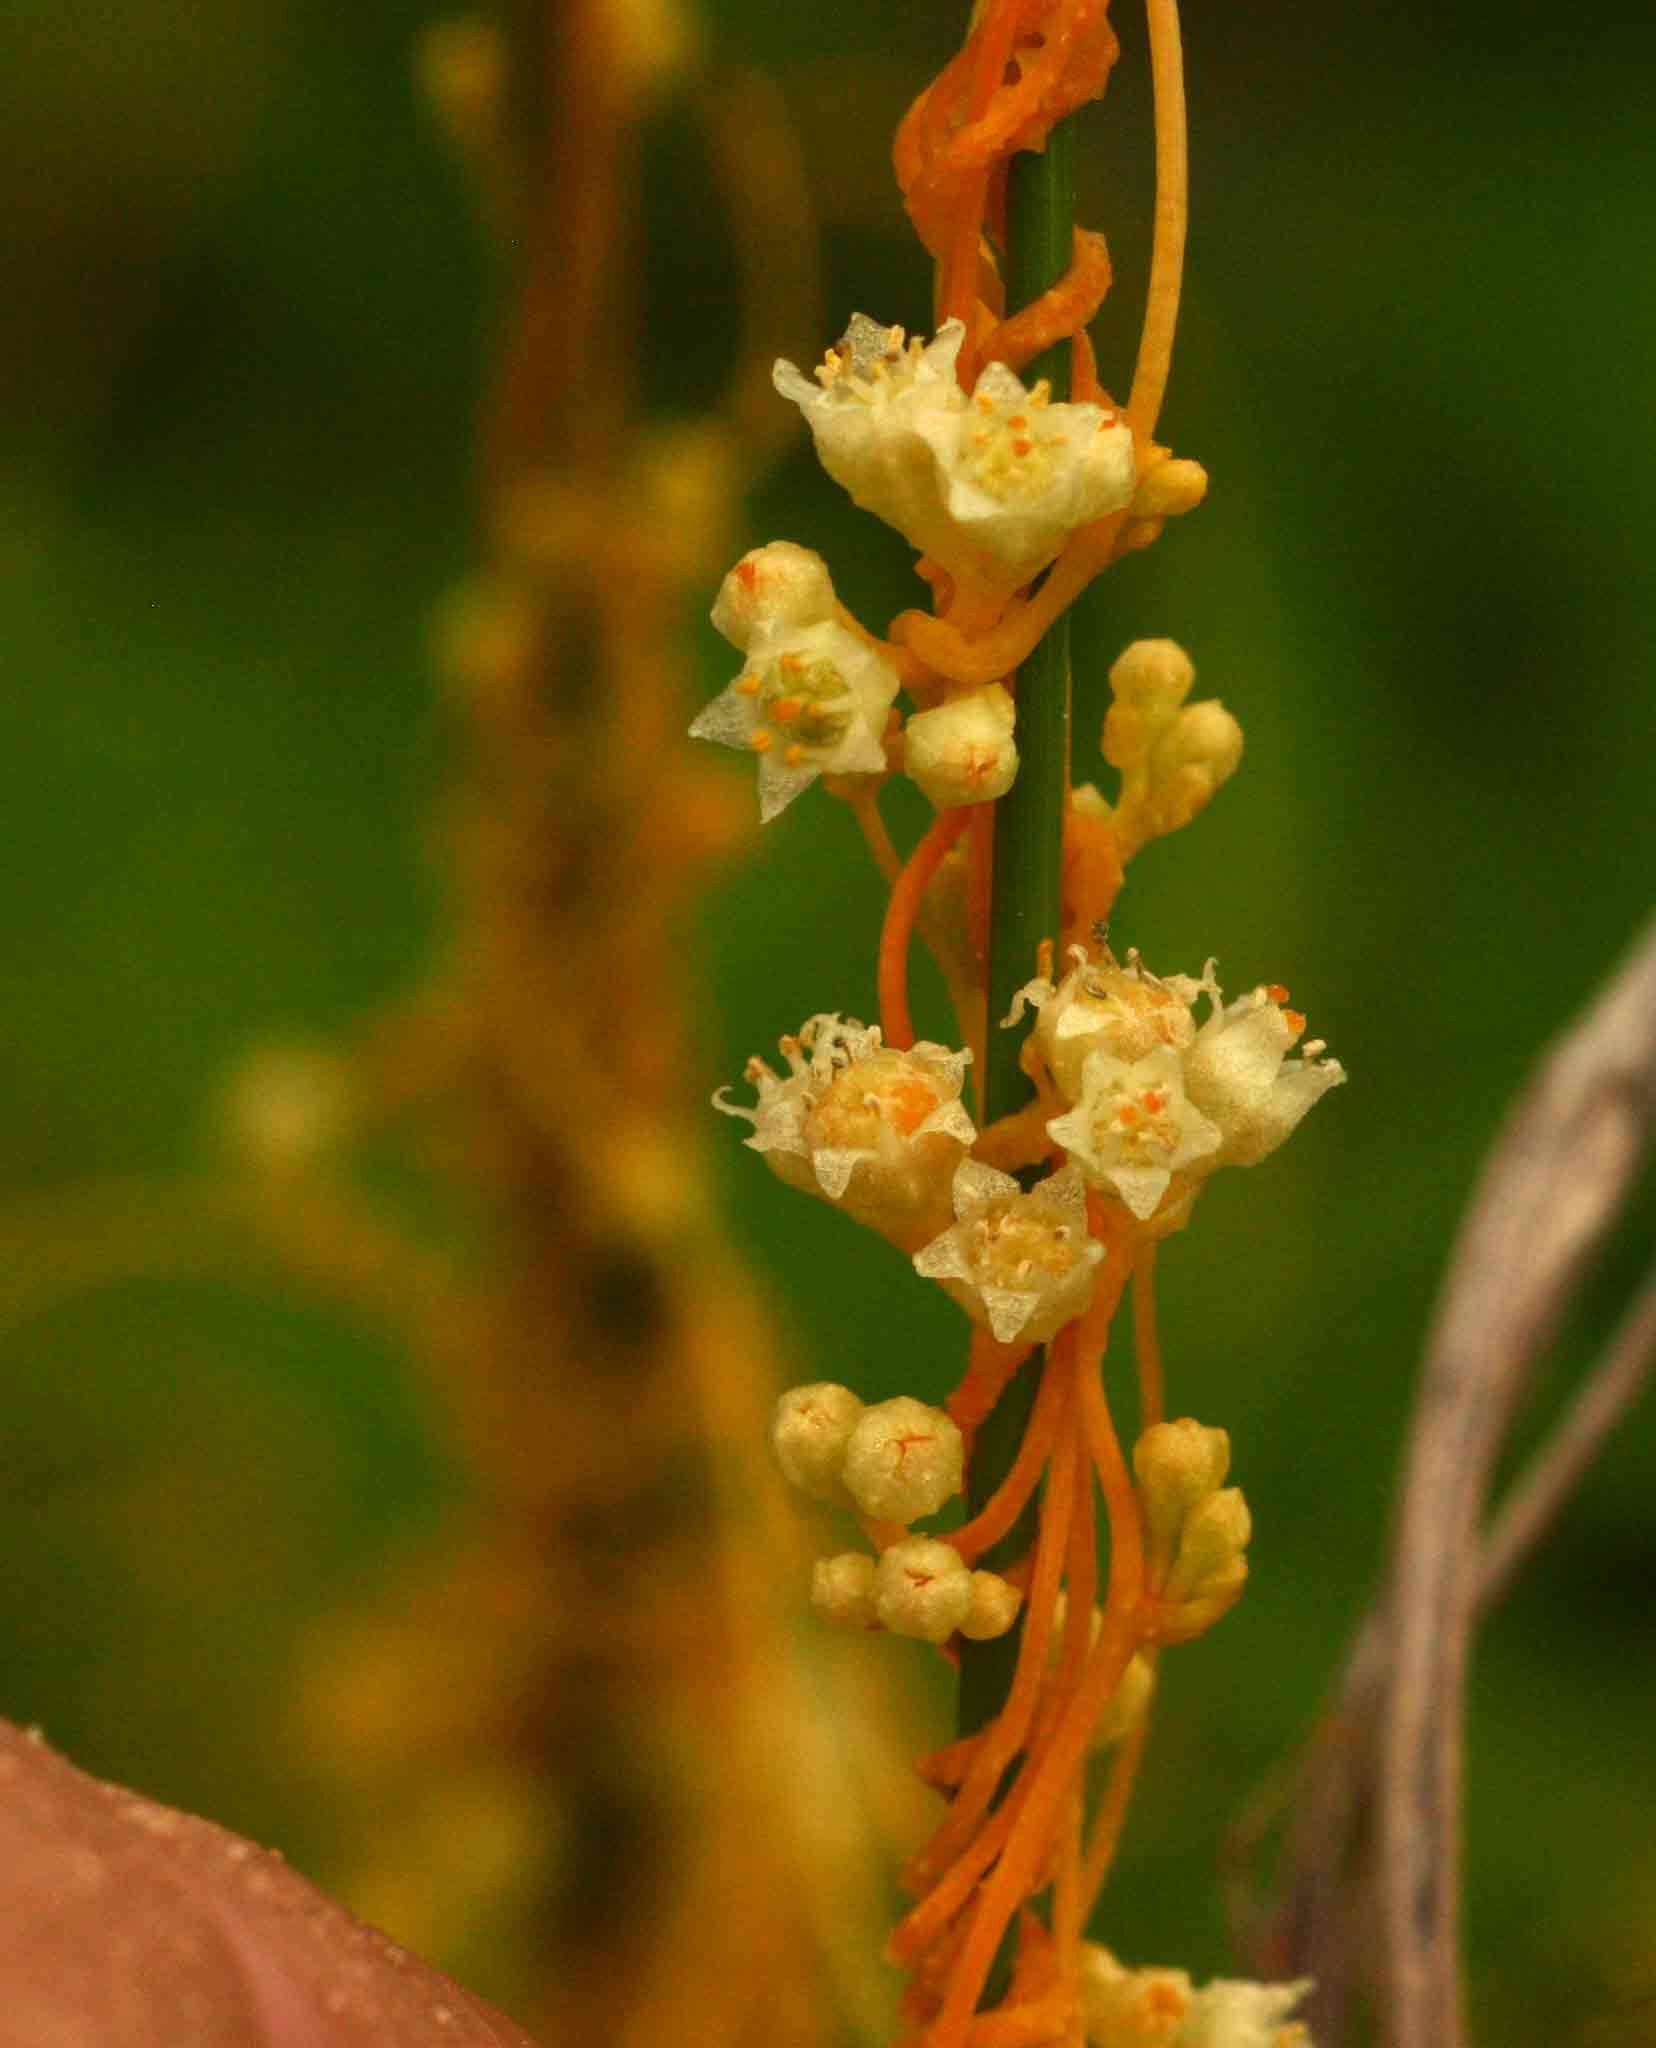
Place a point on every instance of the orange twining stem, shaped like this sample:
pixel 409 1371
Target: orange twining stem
pixel 1003 1507
pixel 1057 313
pixel 974 662
pixel 1045 58
pixel 903 908
pixel 1161 307
pixel 1146 1341
pixel 988 1374
pixel 1043 1787
pixel 1112 1813
pixel 1004 1736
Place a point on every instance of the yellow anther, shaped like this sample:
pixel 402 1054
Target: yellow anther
pixel 761 741
pixel 794 754
pixel 749 686
pixel 786 709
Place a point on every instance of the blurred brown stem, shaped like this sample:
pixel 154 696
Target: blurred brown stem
pixel 1372 1862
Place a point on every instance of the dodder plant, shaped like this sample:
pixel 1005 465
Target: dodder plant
pixel 1106 1094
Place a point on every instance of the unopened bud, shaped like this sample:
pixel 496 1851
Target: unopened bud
pixel 1152 674
pixel 809 1434
pixel 842 1589
pixel 903 1459
pixel 1178 1464
pixel 922 1588
pixel 780 584
pixel 1171 488
pixel 1216 1532
pixel 993 1607
pixel 962 752
pixel 1128 1704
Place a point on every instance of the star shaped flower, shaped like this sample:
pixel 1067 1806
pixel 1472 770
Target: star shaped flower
pixel 990 485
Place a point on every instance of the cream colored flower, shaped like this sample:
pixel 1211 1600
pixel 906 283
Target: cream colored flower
pixel 991 486
pixel 1101 1006
pixel 811 701
pixel 1133 1128
pixel 874 1131
pixel 1232 2013
pixel 1020 1264
pixel 1238 1074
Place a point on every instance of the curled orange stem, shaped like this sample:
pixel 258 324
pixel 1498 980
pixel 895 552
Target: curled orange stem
pixel 898 930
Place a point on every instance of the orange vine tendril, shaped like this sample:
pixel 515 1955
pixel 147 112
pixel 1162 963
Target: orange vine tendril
pixel 898 929
pixel 1016 1823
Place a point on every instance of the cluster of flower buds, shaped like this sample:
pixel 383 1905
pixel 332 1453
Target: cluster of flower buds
pixel 1172 756
pixel 1155 2008
pixel 1021 1265
pixel 1157 1103
pixel 875 1131
pixel 893 1463
pixel 989 485
pixel 1196 1529
pixel 813 697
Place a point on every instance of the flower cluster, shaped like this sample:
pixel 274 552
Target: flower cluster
pixel 1196 1528
pixel 1156 1103
pixel 894 1463
pixel 987 484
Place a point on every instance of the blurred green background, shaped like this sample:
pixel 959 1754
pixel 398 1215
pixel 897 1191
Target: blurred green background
pixel 243 331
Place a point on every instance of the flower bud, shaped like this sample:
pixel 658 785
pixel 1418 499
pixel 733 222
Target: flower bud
pixel 1152 676
pixel 962 752
pixel 809 1434
pixel 842 1589
pixel 1214 1536
pixel 1178 1464
pixel 1128 1704
pixel 903 1460
pixel 922 1588
pixel 780 584
pixel 1169 489
pixel 993 1608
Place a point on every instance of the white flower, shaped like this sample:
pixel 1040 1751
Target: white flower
pixel 809 1432
pixel 1237 1072
pixel 875 1131
pixel 1020 1264
pixel 1155 2008
pixel 989 487
pixel 922 1588
pixel 780 584
pixel 903 1459
pixel 1133 1128
pixel 1231 2013
pixel 842 1589
pixel 1102 1006
pixel 962 751
pixel 812 701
